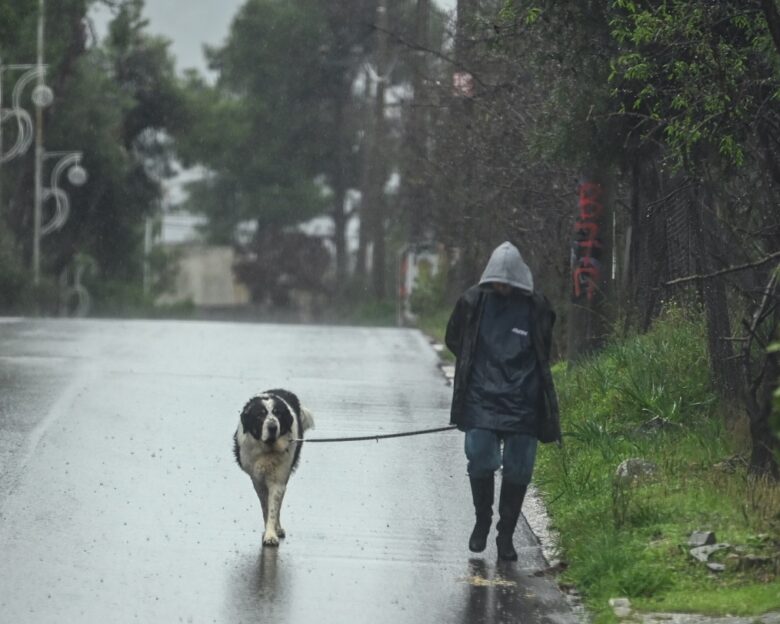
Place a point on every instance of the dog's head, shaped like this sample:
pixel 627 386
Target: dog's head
pixel 267 418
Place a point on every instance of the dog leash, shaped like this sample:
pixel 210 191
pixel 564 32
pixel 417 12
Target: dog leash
pixel 379 437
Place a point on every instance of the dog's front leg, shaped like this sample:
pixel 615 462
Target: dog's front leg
pixel 262 494
pixel 272 529
pixel 279 530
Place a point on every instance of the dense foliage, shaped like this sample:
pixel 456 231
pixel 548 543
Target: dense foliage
pixel 117 101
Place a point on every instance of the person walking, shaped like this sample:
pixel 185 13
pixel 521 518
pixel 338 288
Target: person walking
pixel 500 332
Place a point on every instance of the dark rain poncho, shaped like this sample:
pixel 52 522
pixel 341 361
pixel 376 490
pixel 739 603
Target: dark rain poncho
pixel 503 392
pixel 464 333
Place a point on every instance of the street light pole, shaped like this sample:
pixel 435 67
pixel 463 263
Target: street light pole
pixel 37 208
pixel 2 119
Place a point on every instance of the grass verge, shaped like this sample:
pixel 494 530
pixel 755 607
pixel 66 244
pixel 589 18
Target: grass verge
pixel 650 397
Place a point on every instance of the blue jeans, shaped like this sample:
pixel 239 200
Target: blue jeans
pixel 483 451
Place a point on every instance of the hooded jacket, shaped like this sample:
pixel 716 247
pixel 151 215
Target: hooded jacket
pixel 506 266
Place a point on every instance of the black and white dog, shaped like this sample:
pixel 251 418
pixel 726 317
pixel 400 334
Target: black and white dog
pixel 266 447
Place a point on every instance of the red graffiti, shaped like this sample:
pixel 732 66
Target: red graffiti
pixel 586 268
pixel 591 230
pixel 590 206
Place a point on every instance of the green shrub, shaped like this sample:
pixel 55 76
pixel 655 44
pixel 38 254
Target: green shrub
pixel 372 312
pixel 663 373
pixel 17 293
pixel 429 292
pixel 613 566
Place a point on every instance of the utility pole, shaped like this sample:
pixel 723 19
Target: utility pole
pixel 2 149
pixel 38 199
pixel 340 187
pixel 465 225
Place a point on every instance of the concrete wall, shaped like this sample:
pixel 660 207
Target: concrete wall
pixel 205 277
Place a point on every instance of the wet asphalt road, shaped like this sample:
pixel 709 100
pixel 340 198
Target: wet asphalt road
pixel 120 500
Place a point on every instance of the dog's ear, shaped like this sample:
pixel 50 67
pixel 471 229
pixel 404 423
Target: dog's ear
pixel 307 419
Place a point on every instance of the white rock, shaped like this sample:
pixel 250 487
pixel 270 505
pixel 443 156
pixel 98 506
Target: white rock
pixel 621 607
pixel 635 469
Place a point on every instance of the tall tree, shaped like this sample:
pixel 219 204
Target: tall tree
pixel 259 126
pixel 416 198
pixel 374 209
pixel 349 24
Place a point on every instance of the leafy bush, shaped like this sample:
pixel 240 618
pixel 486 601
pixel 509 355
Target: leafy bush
pixel 15 281
pixel 429 292
pixel 369 313
pixel 18 293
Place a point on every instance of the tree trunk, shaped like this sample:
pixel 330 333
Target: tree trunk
pixel 706 242
pixel 765 447
pixel 416 200
pixel 361 262
pixel 340 184
pixel 464 28
pixel 718 329
pixel 760 385
pixel 376 170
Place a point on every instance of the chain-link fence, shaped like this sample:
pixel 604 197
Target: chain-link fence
pixel 675 240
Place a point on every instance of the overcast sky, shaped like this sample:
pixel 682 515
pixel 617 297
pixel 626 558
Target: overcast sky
pixel 191 23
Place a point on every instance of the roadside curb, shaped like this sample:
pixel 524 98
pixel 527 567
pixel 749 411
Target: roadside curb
pixel 622 609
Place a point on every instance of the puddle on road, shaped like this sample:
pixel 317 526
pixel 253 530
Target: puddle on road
pixel 478 581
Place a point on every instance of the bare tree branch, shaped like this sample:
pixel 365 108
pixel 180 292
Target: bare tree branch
pixel 732 269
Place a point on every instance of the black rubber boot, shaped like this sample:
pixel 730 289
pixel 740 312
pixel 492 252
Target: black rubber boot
pixel 482 492
pixel 509 504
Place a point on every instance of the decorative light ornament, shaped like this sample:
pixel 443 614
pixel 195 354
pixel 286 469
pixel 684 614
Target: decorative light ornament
pixel 77 175
pixel 42 96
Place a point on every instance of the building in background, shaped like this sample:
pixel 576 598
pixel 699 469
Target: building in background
pixel 204 273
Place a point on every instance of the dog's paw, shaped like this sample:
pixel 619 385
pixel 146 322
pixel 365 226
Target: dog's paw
pixel 270 539
pixel 281 533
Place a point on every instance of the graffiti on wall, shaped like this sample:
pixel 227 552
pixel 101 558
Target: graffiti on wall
pixel 588 245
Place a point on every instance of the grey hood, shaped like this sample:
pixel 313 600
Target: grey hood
pixel 506 265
